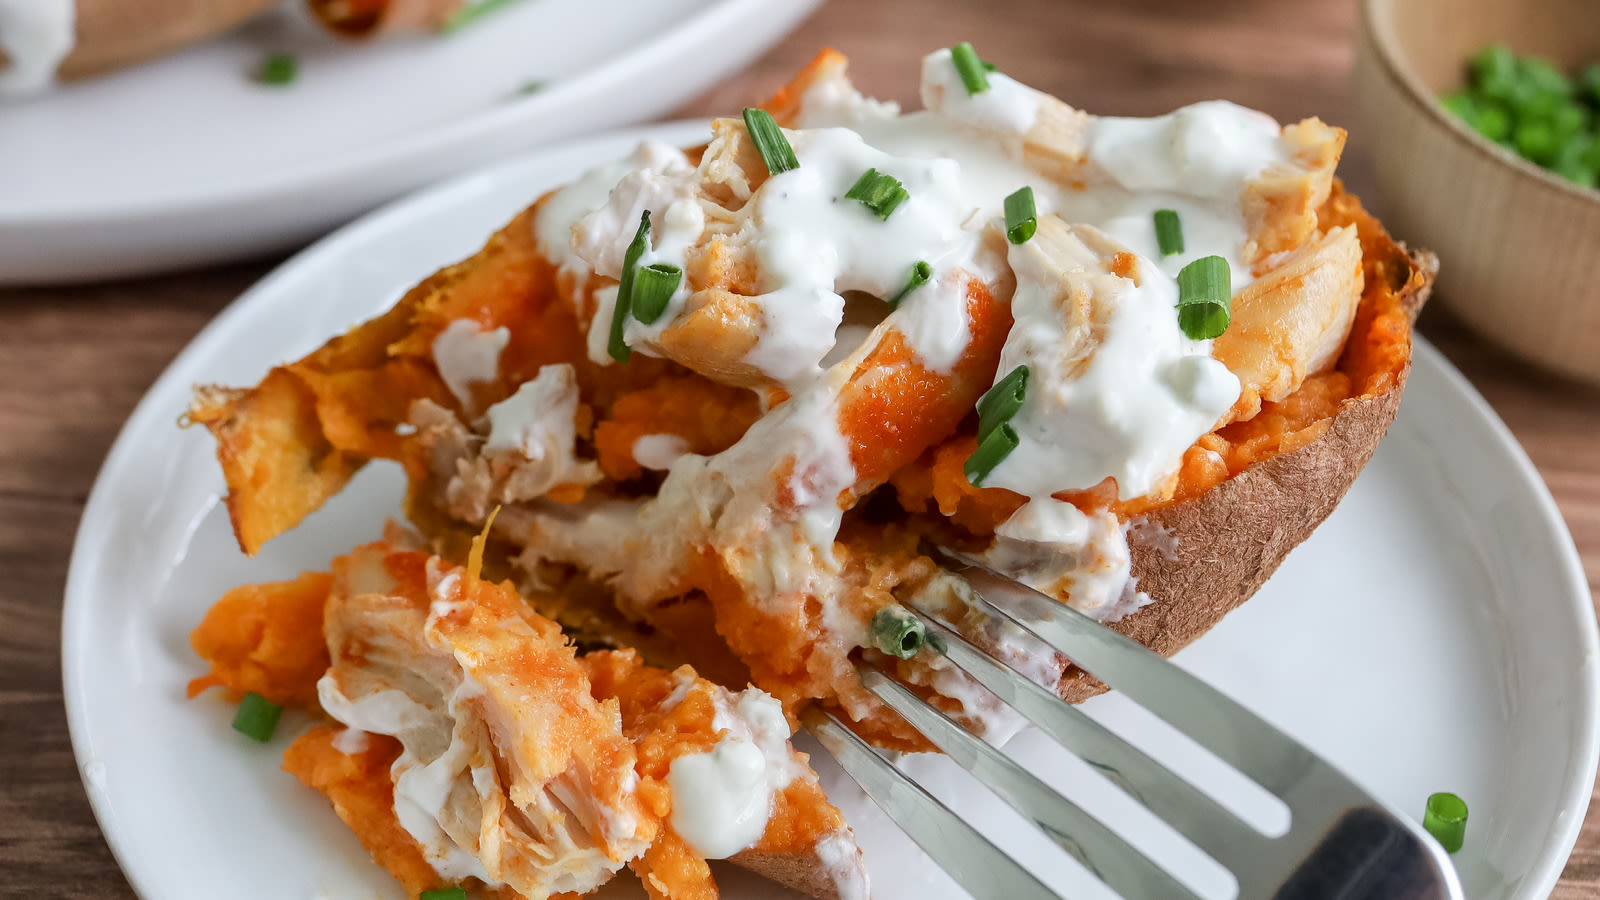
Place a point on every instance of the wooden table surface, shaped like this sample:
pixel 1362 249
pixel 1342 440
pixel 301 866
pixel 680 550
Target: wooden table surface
pixel 74 360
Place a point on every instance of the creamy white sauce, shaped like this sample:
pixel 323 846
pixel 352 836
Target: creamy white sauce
pixel 835 103
pixel 351 741
pixel 841 860
pixel 421 788
pixel 659 451
pixel 539 423
pixel 36 36
pixel 467 355
pixel 1127 408
pixel 722 799
pixel 1055 548
pixel 1007 106
pixel 1115 388
pixel 555 221
pixel 1209 150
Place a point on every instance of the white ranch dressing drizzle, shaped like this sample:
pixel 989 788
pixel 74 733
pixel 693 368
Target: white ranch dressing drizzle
pixel 466 355
pixel 1118 393
pixel 539 419
pixel 722 798
pixel 1133 411
pixel 36 36
pixel 1007 106
pixel 658 451
pixel 1054 547
pixel 421 789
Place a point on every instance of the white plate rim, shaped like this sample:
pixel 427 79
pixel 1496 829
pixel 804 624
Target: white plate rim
pixel 1578 786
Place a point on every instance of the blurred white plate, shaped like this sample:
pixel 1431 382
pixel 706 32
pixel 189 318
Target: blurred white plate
pixel 1435 634
pixel 187 160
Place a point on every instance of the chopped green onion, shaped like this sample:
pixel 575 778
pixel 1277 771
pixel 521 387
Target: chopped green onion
pixel 990 453
pixel 617 347
pixel 278 69
pixel 1537 141
pixel 257 717
pixel 878 192
pixel 989 66
pixel 1589 83
pixel 1446 819
pixel 472 12
pixel 1021 219
pixel 897 632
pixel 1494 70
pixel 770 142
pixel 1573 162
pixel 999 403
pixel 450 893
pixel 1205 294
pixel 531 87
pixel 974 72
pixel 921 273
pixel 1169 232
pixel 1543 77
pixel 653 286
pixel 1493 122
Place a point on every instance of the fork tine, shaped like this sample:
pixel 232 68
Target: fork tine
pixel 1268 756
pixel 967 856
pixel 1102 851
pixel 1212 827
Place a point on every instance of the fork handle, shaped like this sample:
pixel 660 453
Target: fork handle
pixel 1367 854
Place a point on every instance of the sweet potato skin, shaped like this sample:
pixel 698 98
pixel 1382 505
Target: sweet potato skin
pixel 1231 538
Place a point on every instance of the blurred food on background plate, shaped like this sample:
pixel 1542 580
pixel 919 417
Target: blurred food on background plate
pixel 45 40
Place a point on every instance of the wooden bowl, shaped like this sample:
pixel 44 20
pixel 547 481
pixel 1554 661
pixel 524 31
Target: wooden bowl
pixel 1519 247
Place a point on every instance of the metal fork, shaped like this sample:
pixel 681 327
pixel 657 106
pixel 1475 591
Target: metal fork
pixel 1342 842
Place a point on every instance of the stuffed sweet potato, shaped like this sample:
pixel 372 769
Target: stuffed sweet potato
pixel 721 398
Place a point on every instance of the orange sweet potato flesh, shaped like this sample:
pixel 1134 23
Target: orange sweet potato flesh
pixel 801 812
pixel 266 639
pixel 1262 483
pixel 358 786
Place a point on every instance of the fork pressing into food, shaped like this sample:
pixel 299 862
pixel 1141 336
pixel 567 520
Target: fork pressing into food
pixel 1341 843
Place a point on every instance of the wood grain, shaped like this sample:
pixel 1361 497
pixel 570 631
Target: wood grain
pixel 73 361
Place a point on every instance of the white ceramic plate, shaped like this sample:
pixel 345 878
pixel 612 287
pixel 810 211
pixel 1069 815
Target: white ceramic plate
pixel 186 160
pixel 1435 634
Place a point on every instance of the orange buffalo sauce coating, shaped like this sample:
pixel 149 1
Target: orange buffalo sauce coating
pixel 362 794
pixel 710 417
pixel 801 813
pixel 266 639
pixel 1374 360
pixel 358 786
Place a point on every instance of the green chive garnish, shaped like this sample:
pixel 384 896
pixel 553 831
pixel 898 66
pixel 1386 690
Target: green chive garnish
pixel 1169 232
pixel 990 453
pixel 1021 219
pixel 450 893
pixel 1205 292
pixel 974 72
pixel 921 272
pixel 472 12
pixel 532 87
pixel 770 142
pixel 878 192
pixel 278 69
pixel 1446 819
pixel 999 403
pixel 897 632
pixel 617 347
pixel 653 286
pixel 257 717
